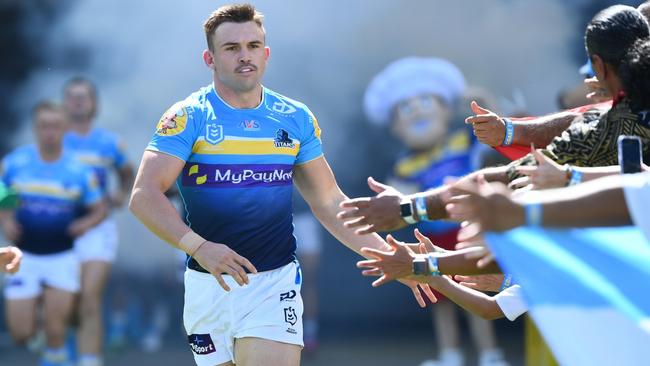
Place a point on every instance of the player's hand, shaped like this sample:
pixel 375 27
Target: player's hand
pixel 596 91
pixel 486 283
pixel 371 214
pixel 547 173
pixel 389 265
pixel 12 229
pixel 10 258
pixel 219 259
pixel 488 127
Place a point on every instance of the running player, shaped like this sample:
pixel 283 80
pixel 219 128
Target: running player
pixel 59 201
pixel 235 148
pixel 104 153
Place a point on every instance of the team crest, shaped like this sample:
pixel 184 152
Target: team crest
pixel 282 139
pixel 213 133
pixel 290 315
pixel 173 121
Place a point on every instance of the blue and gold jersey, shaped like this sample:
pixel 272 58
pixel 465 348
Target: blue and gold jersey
pixel 100 149
pixel 429 169
pixel 237 180
pixel 51 195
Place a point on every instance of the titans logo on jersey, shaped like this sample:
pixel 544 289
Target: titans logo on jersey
pixel 51 195
pixel 237 179
pixel 99 149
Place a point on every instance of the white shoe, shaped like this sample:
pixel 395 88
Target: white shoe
pixel 449 357
pixel 492 358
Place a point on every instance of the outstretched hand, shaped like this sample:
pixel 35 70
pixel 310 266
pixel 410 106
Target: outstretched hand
pixel 372 214
pixel 546 174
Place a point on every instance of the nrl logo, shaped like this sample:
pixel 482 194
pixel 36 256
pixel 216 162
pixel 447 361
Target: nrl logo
pixel 214 133
pixel 290 315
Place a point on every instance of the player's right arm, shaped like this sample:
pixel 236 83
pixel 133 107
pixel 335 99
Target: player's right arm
pixel 161 164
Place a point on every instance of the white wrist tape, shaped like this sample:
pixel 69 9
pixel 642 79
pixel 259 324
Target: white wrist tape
pixel 190 242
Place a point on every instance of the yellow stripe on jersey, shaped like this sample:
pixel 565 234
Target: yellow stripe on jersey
pixel 46 190
pixel 244 147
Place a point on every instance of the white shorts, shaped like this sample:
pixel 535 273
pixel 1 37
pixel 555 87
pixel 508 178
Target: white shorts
pixel 308 234
pixel 98 243
pixel 269 307
pixel 59 270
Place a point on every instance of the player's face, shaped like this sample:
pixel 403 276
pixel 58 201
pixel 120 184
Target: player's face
pixel 421 122
pixel 79 102
pixel 239 56
pixel 49 127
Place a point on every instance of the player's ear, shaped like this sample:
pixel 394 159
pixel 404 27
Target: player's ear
pixel 267 53
pixel 208 58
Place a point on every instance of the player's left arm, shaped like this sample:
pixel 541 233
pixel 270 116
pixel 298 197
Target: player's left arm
pixel 125 175
pixel 96 207
pixel 317 185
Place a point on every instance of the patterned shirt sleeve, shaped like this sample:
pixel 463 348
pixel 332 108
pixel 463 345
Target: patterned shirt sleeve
pixel 176 131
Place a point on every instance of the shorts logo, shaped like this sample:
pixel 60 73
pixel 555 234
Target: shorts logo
pixel 288 295
pixel 172 122
pixel 201 344
pixel 290 315
pixel 12 282
pixel 213 133
pixel 282 139
pixel 251 125
pixel 282 107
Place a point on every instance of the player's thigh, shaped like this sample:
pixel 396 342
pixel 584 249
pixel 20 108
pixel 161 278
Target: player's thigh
pixel 57 305
pixel 94 275
pixel 251 351
pixel 21 317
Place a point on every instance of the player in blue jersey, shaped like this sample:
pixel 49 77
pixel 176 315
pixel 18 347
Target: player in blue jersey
pixel 104 152
pixel 234 149
pixel 59 201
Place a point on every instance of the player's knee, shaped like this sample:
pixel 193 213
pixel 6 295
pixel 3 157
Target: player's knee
pixel 21 336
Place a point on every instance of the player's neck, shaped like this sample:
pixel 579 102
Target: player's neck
pixel 50 154
pixel 81 127
pixel 239 100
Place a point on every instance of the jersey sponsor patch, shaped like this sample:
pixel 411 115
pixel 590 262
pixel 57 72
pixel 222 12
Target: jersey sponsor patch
pixel 201 344
pixel 173 121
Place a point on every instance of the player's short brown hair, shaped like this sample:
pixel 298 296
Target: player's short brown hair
pixel 46 105
pixel 236 13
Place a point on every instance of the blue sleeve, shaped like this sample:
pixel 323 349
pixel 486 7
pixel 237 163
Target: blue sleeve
pixel 92 193
pixel 176 131
pixel 310 142
pixel 119 153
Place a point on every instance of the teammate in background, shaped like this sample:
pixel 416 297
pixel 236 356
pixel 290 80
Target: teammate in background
pixel 59 201
pixel 235 148
pixel 416 98
pixel 10 258
pixel 103 152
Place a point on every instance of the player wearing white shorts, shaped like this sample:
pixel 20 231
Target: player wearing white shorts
pixel 235 149
pixel 59 199
pixel 104 153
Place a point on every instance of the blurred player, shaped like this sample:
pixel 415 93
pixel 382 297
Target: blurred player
pixel 104 153
pixel 59 201
pixel 235 148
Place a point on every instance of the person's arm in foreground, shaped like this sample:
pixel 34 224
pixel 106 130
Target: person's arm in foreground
pixel 149 204
pixel 317 185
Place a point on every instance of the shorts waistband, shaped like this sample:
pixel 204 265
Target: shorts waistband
pixel 194 265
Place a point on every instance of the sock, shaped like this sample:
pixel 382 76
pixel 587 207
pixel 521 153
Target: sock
pixel 452 356
pixel 90 360
pixel 491 356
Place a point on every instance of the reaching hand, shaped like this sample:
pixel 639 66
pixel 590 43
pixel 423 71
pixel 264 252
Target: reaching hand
pixel 219 259
pixel 392 265
pixel 10 258
pixel 372 214
pixel 547 173
pixel 486 206
pixel 487 283
pixel 488 127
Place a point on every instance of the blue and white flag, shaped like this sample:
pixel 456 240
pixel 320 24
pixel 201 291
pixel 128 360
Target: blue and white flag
pixel 588 290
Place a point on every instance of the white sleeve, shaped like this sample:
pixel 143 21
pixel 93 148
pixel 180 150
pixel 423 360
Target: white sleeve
pixel 637 197
pixel 511 301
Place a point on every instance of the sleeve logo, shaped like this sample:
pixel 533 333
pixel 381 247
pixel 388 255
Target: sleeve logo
pixel 172 122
